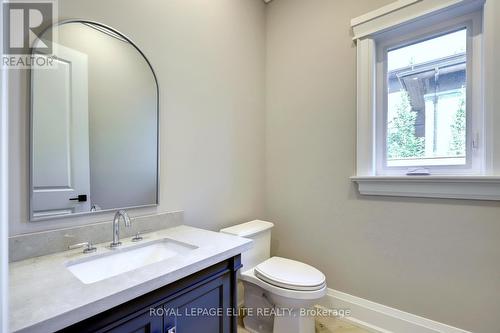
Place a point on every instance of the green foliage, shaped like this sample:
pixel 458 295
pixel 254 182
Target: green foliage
pixel 401 139
pixel 458 128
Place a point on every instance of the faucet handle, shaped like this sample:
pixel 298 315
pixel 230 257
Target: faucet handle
pixel 89 247
pixel 138 236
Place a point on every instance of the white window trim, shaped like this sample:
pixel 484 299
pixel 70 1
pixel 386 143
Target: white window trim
pixel 451 187
pixel 485 186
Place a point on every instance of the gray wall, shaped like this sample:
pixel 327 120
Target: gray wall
pixel 209 58
pixel 434 258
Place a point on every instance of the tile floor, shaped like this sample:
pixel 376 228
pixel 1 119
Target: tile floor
pixel 335 325
pixel 329 325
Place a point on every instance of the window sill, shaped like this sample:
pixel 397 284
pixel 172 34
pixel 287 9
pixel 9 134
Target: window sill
pixel 451 187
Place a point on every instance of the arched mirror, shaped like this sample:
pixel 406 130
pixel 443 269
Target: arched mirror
pixel 94 124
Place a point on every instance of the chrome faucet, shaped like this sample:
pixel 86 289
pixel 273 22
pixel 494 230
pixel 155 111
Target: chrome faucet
pixel 116 227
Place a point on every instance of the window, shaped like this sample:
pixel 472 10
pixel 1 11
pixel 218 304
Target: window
pixel 425 121
pixel 427 93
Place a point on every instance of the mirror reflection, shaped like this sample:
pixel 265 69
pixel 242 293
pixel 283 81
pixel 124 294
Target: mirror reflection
pixel 94 125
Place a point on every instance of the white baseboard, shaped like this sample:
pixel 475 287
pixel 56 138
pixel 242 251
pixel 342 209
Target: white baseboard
pixel 379 318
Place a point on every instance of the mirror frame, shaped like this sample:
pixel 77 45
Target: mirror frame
pixel 30 150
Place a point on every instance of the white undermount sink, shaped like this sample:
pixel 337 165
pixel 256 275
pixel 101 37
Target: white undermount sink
pixel 122 260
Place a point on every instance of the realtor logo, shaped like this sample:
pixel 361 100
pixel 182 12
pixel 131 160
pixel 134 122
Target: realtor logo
pixel 24 22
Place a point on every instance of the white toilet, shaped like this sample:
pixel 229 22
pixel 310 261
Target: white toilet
pixel 277 291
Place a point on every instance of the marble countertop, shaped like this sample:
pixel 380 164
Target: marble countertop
pixel 45 296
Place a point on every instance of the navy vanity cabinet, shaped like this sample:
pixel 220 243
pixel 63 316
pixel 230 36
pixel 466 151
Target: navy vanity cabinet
pixel 143 323
pixel 203 309
pixel 203 302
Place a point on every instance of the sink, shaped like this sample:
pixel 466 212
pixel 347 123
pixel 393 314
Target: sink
pixel 119 261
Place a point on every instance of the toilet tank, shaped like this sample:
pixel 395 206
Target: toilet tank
pixel 260 232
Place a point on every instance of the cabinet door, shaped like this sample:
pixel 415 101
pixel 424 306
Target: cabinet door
pixel 207 309
pixel 144 323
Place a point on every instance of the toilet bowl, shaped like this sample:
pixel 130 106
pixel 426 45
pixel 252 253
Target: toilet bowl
pixel 278 292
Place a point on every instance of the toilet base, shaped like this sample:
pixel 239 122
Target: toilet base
pixel 285 306
pixel 292 322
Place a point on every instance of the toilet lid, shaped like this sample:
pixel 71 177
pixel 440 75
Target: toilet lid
pixel 290 274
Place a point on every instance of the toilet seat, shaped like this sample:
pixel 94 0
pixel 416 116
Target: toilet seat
pixel 290 274
pixel 249 276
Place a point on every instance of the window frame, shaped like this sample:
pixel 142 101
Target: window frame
pixel 419 32
pixel 398 15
